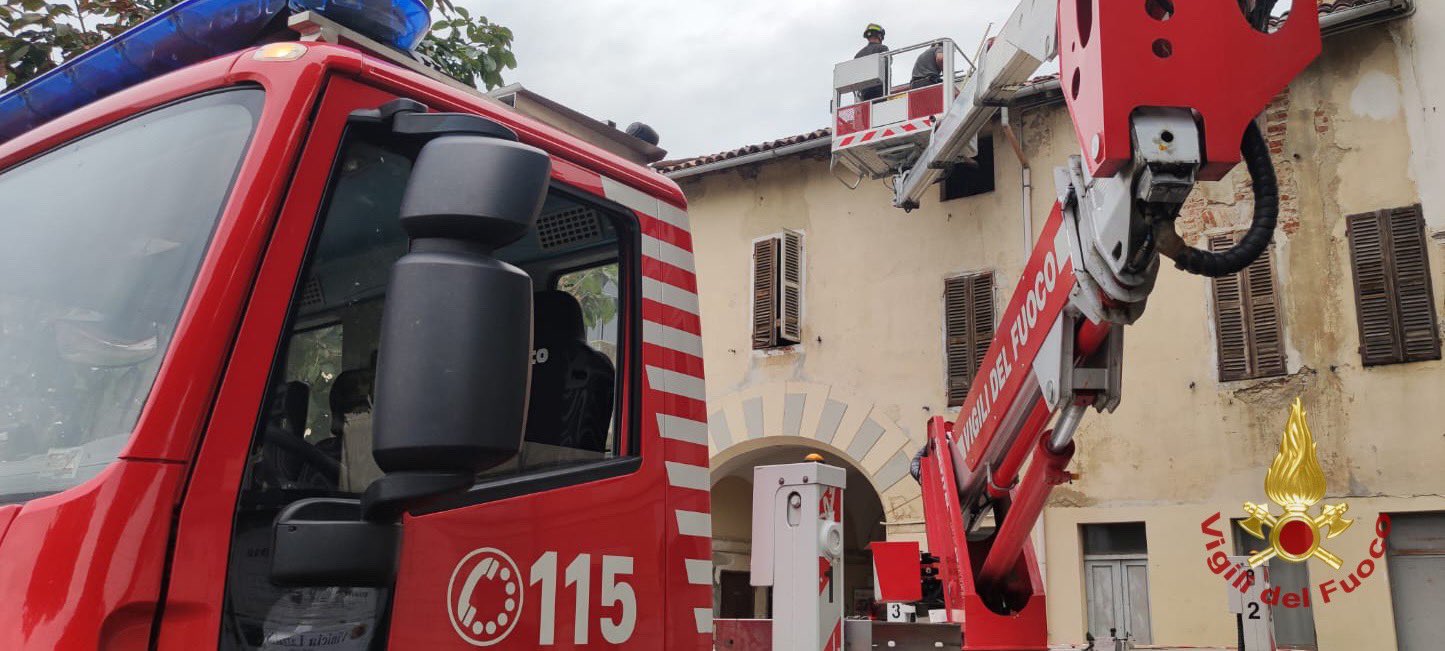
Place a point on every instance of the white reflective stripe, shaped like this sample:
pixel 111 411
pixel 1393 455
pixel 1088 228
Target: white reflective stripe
pixel 699 572
pixel 672 215
pixel 677 384
pixel 649 247
pixel 671 338
pixel 692 523
pixel 625 195
pixel 666 252
pixel 669 295
pixel 682 429
pixel 684 475
pixel 704 619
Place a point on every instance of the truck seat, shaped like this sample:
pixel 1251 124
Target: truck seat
pixel 572 383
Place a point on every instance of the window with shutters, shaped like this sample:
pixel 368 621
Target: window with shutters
pixel 968 322
pixel 970 178
pixel 1394 299
pixel 778 290
pixel 1246 318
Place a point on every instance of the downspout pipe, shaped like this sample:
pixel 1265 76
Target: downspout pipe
pixel 1027 191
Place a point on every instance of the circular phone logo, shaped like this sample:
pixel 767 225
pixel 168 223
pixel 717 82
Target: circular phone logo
pixel 484 597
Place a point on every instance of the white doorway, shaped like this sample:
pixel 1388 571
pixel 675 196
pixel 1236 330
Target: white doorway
pixel 1116 581
pixel 1416 556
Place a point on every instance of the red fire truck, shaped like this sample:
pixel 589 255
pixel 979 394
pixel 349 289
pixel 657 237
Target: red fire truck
pixel 269 347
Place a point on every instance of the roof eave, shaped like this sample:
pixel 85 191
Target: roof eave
pixel 748 159
pixel 650 152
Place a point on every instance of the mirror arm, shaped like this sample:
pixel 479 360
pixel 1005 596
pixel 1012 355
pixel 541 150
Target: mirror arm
pixel 392 494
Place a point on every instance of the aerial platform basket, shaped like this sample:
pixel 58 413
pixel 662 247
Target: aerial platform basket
pixel 875 138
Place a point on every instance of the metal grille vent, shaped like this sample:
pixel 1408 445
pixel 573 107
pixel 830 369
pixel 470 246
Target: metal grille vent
pixel 311 295
pixel 568 228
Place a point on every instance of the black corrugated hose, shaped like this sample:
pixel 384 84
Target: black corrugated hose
pixel 1266 210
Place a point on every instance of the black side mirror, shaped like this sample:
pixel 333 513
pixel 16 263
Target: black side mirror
pixel 453 373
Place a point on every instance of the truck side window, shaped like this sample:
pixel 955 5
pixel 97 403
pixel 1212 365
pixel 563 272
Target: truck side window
pixel 317 434
pixel 570 413
pixel 314 438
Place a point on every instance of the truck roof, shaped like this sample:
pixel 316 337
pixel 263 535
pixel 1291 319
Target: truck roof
pixel 106 84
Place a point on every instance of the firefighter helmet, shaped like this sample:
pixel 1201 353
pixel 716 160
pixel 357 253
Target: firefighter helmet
pixel 874 28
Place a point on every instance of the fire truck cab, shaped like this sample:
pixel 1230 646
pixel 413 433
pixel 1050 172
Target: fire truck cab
pixel 304 346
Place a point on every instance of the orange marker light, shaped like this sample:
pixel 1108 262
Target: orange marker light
pixel 280 52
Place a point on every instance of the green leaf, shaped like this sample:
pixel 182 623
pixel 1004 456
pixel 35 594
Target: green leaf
pixel 27 19
pixel 36 34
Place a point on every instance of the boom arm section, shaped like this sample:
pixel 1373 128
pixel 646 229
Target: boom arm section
pixel 1167 93
pixel 1026 42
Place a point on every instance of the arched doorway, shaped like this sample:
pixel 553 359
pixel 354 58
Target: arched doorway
pixel 732 492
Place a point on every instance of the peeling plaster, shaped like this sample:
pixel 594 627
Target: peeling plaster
pixel 1376 96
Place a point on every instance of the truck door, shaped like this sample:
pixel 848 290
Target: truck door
pixel 564 546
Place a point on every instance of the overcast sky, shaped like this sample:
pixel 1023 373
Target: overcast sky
pixel 711 75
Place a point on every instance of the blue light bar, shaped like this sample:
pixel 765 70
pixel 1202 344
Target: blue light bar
pixel 186 33
pixel 398 23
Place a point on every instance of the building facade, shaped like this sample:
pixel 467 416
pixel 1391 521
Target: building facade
pixel 835 323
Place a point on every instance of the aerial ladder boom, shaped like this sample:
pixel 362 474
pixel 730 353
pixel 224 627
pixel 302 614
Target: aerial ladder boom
pixel 1163 95
pixel 1026 42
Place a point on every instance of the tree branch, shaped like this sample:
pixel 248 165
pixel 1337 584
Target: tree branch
pixel 80 15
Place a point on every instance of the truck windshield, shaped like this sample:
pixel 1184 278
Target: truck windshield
pixel 100 241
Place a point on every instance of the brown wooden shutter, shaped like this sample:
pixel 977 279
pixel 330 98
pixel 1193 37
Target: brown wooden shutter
pixel 1231 333
pixel 1374 312
pixel 1416 295
pixel 982 319
pixel 968 305
pixel 1246 318
pixel 1394 300
pixel 792 286
pixel 765 293
pixel 1267 357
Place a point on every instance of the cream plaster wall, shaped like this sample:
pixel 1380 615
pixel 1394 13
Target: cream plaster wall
pixel 1424 95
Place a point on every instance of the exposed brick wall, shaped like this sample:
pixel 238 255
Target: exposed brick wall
pixel 1276 121
pixel 1203 213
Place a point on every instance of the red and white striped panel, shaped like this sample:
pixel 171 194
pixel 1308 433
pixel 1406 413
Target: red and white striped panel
pixel 883 133
pixel 830 507
pixel 673 373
